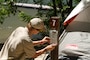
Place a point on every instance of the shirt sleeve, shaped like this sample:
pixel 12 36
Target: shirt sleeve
pixel 28 48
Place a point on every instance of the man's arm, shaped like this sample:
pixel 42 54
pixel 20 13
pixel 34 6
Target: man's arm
pixel 41 42
pixel 47 48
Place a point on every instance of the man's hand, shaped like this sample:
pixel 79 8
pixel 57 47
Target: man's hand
pixel 50 47
pixel 45 40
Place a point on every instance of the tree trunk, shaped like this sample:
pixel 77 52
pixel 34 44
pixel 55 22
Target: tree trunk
pixel 54 6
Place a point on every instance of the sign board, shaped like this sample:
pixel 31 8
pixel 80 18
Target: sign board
pixel 54 23
pixel 53 35
pixel 54 28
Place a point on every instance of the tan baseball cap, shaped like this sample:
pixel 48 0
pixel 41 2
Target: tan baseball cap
pixel 37 23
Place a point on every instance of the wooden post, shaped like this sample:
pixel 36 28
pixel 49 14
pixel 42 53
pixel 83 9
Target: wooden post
pixel 54 35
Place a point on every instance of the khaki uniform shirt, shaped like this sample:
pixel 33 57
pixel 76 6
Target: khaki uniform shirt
pixel 18 46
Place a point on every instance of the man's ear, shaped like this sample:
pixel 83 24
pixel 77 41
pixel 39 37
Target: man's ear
pixel 29 26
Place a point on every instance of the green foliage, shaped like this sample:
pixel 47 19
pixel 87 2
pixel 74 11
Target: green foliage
pixel 25 17
pixel 37 1
pixel 6 8
pixel 3 13
pixel 76 2
pixel 64 8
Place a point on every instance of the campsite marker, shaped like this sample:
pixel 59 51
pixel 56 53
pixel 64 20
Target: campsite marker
pixel 54 35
